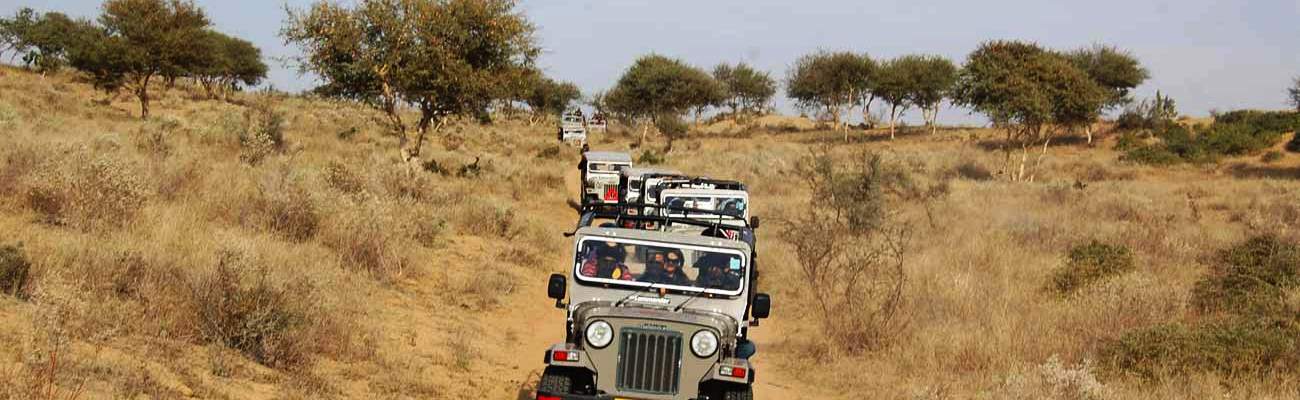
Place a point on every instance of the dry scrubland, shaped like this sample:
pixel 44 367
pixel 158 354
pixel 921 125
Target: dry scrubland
pixel 198 253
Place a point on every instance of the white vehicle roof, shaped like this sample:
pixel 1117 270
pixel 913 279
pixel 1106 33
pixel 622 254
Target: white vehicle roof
pixel 608 157
pixel 706 192
pixel 639 171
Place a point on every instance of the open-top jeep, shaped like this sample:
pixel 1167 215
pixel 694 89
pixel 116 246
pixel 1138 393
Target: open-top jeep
pixel 572 128
pixel 654 315
pixel 710 200
pixel 633 181
pixel 600 176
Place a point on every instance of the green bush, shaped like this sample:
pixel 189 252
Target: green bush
pixel 1250 279
pixel 261 134
pixel 1251 330
pixel 1092 262
pixel 1271 157
pixel 1232 134
pixel 1233 349
pixel 15 271
pixel 1294 144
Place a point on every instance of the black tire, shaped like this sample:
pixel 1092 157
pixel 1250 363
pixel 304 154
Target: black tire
pixel 555 382
pixel 746 393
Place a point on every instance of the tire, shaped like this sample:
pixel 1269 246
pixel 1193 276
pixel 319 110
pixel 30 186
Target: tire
pixel 555 382
pixel 746 393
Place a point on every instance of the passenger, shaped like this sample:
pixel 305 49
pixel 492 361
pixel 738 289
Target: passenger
pixel 607 262
pixel 655 265
pixel 714 273
pixel 671 273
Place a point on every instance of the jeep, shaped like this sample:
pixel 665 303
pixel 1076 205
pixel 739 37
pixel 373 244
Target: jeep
pixel 600 175
pixel 654 315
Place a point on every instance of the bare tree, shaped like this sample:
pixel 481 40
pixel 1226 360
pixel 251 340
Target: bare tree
pixel 850 250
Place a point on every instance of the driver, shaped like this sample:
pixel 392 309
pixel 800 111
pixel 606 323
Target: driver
pixel 671 273
pixel 714 273
pixel 607 262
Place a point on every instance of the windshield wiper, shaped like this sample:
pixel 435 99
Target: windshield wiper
pixel 634 294
pixel 714 285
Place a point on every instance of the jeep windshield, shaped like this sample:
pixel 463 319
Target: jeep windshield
pixel 640 264
pixel 606 167
pixel 733 206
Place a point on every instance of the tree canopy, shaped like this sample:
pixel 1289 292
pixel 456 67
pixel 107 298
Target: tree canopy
pixel 829 82
pixel 154 37
pixel 1026 89
pixel 1293 93
pixel 550 97
pixel 893 84
pixel 444 58
pixel 1115 70
pixel 747 89
pixel 657 87
pixel 932 79
pixel 227 62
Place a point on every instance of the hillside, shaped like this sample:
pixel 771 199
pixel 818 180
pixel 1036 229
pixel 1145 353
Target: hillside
pixel 275 247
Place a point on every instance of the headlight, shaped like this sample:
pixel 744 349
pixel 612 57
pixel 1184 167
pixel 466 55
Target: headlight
pixel 599 334
pixel 704 343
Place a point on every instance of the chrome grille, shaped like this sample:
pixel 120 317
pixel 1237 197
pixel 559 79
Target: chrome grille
pixel 649 361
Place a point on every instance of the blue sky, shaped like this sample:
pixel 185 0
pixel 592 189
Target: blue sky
pixel 1206 54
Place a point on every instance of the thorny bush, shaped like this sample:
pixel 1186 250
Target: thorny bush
pixel 850 250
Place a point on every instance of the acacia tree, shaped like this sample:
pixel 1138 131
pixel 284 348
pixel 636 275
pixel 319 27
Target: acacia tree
pixel 550 97
pixel 443 58
pixel 932 81
pixel 227 62
pixel 894 85
pixel 43 40
pixel 830 82
pixel 656 88
pixel 1293 93
pixel 153 36
pixel 1115 70
pixel 1026 90
pixel 747 89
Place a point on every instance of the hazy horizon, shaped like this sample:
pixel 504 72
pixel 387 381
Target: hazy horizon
pixel 1207 55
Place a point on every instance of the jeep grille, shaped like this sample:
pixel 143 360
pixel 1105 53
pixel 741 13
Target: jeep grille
pixel 649 361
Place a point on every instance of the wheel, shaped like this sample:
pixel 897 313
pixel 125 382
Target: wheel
pixel 746 393
pixel 729 392
pixel 555 382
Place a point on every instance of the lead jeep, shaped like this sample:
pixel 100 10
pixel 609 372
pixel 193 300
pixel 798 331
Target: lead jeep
pixel 635 332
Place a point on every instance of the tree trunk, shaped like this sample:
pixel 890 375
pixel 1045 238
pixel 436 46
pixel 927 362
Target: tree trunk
pixel 142 93
pixel 893 117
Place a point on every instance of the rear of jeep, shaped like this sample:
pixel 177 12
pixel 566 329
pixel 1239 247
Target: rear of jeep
pixel 645 339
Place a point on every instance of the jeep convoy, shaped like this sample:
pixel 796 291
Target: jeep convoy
pixel 662 288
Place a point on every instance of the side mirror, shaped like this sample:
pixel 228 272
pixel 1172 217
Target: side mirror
pixel 557 287
pixel 761 307
pixel 753 222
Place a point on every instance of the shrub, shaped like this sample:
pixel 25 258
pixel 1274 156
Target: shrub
pixel 255 318
pixel 339 176
pixel 1053 380
pixel 1230 348
pixel 651 157
pixel 290 211
pixel 1294 144
pixel 87 191
pixel 850 252
pixel 261 134
pixel 1257 332
pixel 969 169
pixel 365 237
pixel 1232 134
pixel 1271 157
pixel 15 271
pixel 1251 278
pixel 1092 262
pixel 552 152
